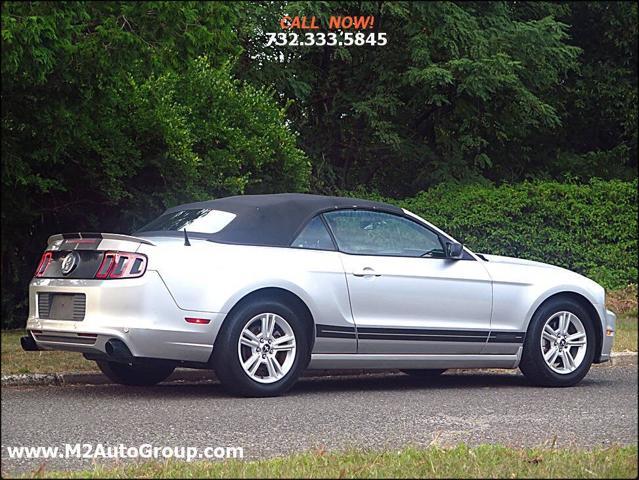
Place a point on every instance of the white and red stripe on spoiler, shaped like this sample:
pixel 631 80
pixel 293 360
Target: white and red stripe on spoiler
pixel 91 241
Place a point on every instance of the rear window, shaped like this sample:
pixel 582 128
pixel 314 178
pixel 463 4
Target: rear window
pixel 199 220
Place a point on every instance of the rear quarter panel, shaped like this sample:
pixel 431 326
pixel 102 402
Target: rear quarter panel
pixel 213 277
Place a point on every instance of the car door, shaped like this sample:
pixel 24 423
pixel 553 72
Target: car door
pixel 327 287
pixel 406 297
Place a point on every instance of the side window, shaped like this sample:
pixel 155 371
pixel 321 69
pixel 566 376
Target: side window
pixel 314 236
pixel 376 233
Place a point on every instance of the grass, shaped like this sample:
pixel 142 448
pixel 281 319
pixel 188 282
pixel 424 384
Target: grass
pixel 14 360
pixel 624 303
pixel 485 461
pixel 626 334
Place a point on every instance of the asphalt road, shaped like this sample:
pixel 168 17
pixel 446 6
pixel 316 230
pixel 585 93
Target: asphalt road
pixel 369 411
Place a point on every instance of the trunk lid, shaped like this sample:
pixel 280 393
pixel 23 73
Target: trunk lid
pixel 85 252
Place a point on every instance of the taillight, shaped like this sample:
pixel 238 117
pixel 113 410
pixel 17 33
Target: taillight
pixel 121 265
pixel 44 263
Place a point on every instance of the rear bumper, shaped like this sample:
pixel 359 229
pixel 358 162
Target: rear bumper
pixel 140 312
pixel 608 337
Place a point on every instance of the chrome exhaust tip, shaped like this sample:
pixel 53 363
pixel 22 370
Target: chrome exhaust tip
pixel 117 349
pixel 28 344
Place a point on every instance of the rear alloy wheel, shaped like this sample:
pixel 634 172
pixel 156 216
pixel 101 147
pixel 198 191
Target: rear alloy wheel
pixel 560 344
pixel 266 348
pixel 425 372
pixel 133 374
pixel 262 349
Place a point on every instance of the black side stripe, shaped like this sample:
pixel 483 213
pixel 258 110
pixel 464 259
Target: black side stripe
pixel 422 334
pixel 507 337
pixel 331 331
pixel 418 334
pixel 336 328
pixel 421 338
pixel 424 331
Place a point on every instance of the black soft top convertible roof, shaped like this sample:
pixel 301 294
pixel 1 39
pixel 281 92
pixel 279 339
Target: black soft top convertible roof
pixel 273 220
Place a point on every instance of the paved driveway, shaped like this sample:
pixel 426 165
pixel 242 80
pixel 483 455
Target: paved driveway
pixel 370 411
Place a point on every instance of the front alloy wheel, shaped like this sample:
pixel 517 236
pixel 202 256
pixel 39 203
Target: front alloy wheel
pixel 560 344
pixel 564 342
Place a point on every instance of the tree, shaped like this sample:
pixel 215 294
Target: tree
pixel 462 91
pixel 599 134
pixel 113 111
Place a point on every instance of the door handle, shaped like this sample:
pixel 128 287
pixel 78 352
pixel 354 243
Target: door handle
pixel 367 272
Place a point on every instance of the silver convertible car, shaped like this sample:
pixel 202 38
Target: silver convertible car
pixel 261 287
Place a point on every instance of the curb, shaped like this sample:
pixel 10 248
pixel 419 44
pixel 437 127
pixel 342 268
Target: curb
pixel 622 358
pixel 181 375
pixel 185 375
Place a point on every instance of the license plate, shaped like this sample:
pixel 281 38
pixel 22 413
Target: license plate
pixel 63 306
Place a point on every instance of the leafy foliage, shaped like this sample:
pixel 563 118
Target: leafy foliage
pixel 464 91
pixel 113 111
pixel 589 228
pixel 599 137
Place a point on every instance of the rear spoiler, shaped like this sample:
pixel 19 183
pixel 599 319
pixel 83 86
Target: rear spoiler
pixel 96 236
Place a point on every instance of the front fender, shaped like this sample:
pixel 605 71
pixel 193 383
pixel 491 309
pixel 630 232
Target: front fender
pixel 570 289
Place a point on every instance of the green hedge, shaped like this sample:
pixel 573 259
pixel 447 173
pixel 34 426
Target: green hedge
pixel 589 228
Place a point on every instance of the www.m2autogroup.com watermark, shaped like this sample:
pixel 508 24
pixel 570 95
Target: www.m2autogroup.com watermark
pixel 341 31
pixel 145 451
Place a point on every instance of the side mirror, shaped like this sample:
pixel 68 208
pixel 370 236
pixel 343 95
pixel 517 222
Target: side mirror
pixel 454 250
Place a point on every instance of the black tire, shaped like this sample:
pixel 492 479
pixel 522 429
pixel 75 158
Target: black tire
pixel 424 373
pixel 133 374
pixel 226 361
pixel 533 365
